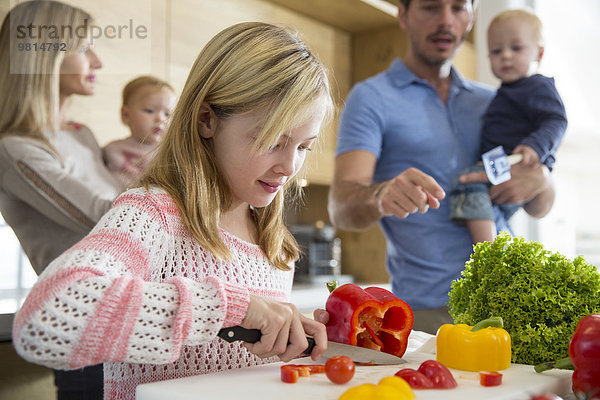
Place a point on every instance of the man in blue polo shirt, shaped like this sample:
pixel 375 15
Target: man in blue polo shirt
pixel 404 134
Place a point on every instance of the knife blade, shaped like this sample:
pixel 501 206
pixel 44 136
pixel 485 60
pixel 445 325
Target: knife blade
pixel 357 354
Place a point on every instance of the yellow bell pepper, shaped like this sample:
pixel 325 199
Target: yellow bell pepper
pixel 389 388
pixel 483 347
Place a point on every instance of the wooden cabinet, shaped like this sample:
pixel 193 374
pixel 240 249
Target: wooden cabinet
pixel 332 44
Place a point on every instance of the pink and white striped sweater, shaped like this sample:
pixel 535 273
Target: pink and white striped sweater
pixel 141 295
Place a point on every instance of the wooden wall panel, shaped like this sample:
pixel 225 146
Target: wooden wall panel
pixel 373 52
pixel 123 59
pixel 210 16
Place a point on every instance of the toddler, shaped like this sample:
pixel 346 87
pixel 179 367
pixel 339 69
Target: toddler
pixel 147 105
pixel 526 116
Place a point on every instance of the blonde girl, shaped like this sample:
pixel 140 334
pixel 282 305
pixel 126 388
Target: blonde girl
pixel 54 186
pixel 202 244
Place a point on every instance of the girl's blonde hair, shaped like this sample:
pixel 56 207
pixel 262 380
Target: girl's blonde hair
pixel 246 67
pixel 29 79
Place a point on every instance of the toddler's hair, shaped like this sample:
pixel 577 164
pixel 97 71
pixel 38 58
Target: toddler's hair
pixel 143 81
pixel 524 15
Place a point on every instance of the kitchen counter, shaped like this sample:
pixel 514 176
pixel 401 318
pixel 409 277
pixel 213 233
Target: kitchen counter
pixel 263 382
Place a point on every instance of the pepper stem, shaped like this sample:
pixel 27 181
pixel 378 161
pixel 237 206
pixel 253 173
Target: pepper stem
pixel 495 322
pixel 563 363
pixel 332 285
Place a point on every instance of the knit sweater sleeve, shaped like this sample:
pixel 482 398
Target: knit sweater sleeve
pixel 101 301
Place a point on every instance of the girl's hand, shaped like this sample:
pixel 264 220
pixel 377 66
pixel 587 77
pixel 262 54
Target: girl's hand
pixel 283 330
pixel 321 315
pixel 317 330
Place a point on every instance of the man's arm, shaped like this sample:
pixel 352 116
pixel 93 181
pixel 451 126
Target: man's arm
pixel 353 203
pixel 356 204
pixel 532 186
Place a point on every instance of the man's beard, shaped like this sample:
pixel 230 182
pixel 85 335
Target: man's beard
pixel 437 61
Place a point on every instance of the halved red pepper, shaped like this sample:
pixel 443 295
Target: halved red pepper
pixel 372 317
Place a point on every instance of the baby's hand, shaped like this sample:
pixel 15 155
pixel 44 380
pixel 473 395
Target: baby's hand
pixel 530 156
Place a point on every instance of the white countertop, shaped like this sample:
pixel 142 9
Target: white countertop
pixel 263 382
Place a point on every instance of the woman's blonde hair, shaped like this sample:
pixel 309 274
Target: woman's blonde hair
pixel 246 67
pixel 30 76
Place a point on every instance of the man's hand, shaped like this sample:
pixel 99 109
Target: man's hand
pixel 407 193
pixel 356 204
pixel 529 185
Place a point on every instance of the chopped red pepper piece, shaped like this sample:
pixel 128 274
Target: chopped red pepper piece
pixel 430 375
pixel 415 379
pixel 439 374
pixel 316 368
pixel 291 372
pixel 373 318
pixel 490 378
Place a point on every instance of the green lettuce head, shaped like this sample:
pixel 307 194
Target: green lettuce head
pixel 540 295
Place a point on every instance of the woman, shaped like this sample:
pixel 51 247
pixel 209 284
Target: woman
pixel 54 186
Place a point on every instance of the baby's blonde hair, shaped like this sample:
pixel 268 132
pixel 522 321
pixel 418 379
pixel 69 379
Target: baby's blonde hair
pixel 142 82
pixel 29 80
pixel 246 67
pixel 525 15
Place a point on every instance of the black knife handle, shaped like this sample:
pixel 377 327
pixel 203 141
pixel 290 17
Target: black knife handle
pixel 311 345
pixel 235 333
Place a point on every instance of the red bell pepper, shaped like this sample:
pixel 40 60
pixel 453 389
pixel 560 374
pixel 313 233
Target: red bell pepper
pixel 584 356
pixel 373 318
pixel 584 352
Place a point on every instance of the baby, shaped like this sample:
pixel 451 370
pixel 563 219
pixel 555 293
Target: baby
pixel 526 116
pixel 147 106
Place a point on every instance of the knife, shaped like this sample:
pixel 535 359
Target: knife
pixel 357 354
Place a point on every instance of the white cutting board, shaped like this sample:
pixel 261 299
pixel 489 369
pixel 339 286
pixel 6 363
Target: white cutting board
pixel 264 383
